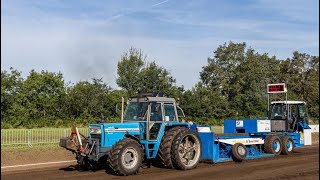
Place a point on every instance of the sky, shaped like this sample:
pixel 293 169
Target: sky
pixel 85 39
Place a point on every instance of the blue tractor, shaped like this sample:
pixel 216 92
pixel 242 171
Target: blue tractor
pixel 149 133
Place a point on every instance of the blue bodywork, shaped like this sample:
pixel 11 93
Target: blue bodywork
pixel 302 125
pixel 214 150
pixel 242 126
pixel 114 132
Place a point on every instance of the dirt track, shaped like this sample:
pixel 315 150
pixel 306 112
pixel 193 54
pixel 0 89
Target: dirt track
pixel 303 164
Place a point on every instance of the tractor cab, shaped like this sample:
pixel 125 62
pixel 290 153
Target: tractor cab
pixel 152 111
pixel 288 115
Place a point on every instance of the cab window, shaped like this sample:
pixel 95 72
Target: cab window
pixel 169 112
pixel 156 112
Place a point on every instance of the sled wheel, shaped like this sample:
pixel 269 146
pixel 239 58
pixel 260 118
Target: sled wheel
pixel 272 145
pixel 239 152
pixel 287 145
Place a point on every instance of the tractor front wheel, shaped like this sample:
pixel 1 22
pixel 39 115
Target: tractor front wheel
pixel 125 158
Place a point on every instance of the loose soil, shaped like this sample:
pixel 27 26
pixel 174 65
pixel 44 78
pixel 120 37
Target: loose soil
pixel 302 164
pixel 32 155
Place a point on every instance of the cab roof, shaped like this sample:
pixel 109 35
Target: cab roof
pixel 288 102
pixel 151 97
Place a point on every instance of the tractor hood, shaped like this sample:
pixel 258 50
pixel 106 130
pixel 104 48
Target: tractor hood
pixel 131 128
pixel 113 132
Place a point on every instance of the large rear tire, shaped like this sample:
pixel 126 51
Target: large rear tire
pixel 273 145
pixel 186 150
pixel 125 158
pixel 164 153
pixel 287 145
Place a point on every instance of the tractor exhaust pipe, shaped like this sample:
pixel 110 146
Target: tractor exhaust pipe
pixel 122 107
pixel 78 136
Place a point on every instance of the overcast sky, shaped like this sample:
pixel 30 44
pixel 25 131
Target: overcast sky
pixel 86 38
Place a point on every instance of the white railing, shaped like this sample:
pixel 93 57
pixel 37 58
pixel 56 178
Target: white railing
pixel 11 137
pixel 31 137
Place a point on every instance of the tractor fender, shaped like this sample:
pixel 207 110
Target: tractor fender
pixel 138 141
pixel 132 137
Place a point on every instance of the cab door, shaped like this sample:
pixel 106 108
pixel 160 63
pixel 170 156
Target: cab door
pixel 170 112
pixel 155 120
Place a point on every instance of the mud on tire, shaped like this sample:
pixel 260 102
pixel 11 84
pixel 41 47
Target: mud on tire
pixel 164 154
pixel 186 150
pixel 239 152
pixel 125 157
pixel 272 145
pixel 287 145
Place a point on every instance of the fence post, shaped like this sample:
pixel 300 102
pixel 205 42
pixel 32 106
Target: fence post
pixel 29 138
pixel 65 133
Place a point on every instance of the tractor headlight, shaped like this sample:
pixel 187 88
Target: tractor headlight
pixel 95 130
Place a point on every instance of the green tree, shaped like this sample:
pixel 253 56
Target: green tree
pixel 136 75
pixel 129 68
pixel 154 78
pixel 239 75
pixel 11 83
pixel 113 103
pixel 87 100
pixel 301 72
pixel 41 98
pixel 204 103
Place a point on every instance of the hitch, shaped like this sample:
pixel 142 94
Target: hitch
pixel 74 142
pixel 68 143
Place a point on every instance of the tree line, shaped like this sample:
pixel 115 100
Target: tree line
pixel 232 85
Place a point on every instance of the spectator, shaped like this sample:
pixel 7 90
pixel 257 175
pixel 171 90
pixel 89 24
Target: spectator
pixel 193 126
pixel 183 120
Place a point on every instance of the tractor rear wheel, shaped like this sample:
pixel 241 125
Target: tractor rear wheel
pixel 239 152
pixel 164 153
pixel 273 145
pixel 125 158
pixel 186 150
pixel 287 145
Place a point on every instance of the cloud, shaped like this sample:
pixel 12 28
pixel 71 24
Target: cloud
pixel 158 4
pixel 130 11
pixel 179 36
